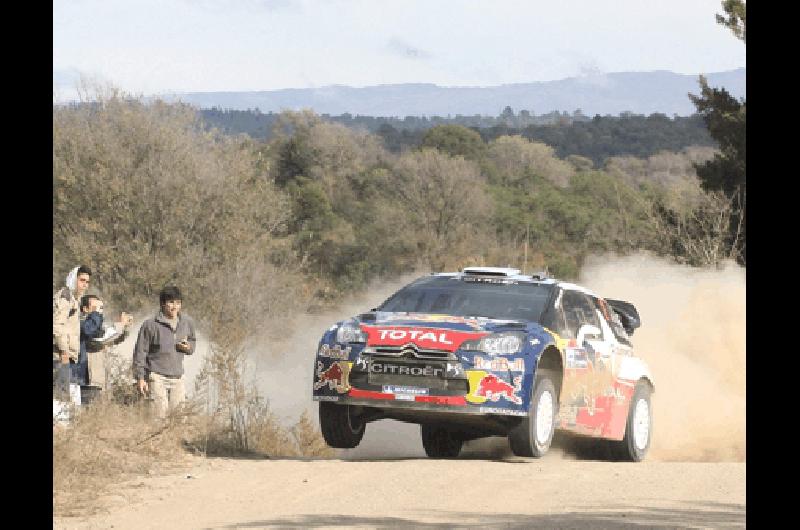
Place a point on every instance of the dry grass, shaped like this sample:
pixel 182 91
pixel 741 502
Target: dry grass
pixel 309 439
pixel 109 442
pixel 265 436
pixel 238 420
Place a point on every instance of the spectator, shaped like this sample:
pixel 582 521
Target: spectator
pixel 66 331
pixel 90 371
pixel 158 355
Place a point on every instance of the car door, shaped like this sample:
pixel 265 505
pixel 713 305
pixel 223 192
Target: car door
pixel 588 356
pixel 614 391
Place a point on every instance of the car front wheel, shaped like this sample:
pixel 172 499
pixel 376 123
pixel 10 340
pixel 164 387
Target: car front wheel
pixel 534 434
pixel 340 427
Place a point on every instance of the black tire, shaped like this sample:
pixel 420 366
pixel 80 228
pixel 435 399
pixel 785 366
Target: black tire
pixel 340 428
pixel 627 449
pixel 523 438
pixel 440 442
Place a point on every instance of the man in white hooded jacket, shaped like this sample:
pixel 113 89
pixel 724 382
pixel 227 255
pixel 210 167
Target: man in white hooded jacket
pixel 67 327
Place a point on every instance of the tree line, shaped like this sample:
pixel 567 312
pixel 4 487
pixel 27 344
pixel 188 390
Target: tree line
pixel 596 138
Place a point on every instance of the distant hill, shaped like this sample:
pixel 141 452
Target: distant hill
pixel 605 94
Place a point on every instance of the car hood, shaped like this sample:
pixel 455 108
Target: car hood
pixel 435 331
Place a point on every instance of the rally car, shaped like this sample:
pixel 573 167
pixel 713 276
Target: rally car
pixel 488 351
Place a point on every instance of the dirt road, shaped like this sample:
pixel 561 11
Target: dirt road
pixel 488 492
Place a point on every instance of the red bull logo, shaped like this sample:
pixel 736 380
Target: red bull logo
pixel 493 388
pixel 335 376
pixel 499 364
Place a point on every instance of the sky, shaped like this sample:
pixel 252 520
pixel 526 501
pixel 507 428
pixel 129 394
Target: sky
pixel 167 46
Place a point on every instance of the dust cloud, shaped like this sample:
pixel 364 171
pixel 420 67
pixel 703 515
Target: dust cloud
pixel 693 339
pixel 283 373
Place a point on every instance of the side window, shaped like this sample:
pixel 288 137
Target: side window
pixel 554 319
pixel 578 310
pixel 571 319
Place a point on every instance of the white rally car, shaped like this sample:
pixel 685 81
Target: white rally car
pixel 488 352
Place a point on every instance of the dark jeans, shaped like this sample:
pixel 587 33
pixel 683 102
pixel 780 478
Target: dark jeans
pixel 89 394
pixel 80 370
pixel 61 380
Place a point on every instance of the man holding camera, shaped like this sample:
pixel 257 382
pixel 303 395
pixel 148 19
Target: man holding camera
pixel 158 355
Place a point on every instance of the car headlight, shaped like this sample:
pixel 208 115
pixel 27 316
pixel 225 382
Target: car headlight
pixel 503 343
pixel 350 332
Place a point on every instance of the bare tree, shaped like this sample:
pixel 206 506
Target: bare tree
pixel 514 155
pixel 442 200
pixel 700 234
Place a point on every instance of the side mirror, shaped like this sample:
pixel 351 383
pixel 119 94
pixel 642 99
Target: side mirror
pixel 587 330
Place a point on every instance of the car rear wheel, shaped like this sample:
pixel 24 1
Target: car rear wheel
pixel 534 434
pixel 340 427
pixel 440 442
pixel 638 428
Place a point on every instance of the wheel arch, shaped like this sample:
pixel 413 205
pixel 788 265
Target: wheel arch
pixel 647 380
pixel 551 359
pixel 635 369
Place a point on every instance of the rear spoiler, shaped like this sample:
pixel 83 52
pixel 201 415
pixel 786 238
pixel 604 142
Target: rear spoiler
pixel 628 315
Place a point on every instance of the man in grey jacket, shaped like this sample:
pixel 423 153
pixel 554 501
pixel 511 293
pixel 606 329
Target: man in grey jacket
pixel 158 355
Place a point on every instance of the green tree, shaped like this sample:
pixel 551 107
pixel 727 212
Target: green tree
pixel 336 178
pixel 513 155
pixel 734 17
pixel 725 118
pixel 455 140
pixel 442 204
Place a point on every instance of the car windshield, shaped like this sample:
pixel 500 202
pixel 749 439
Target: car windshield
pixel 456 296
